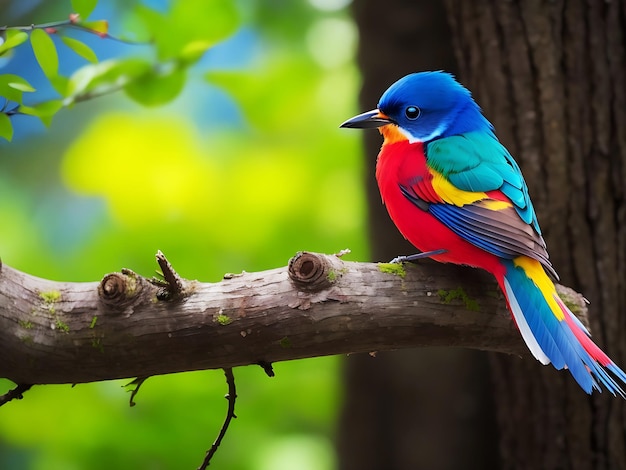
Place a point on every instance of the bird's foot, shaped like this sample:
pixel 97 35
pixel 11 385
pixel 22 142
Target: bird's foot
pixel 416 256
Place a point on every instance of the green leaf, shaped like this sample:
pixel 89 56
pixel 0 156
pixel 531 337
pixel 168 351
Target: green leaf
pixel 44 111
pixel 13 39
pixel 12 86
pixel 80 48
pixel 60 84
pixel 21 86
pixel 107 74
pixel 84 7
pixel 6 128
pixel 155 89
pixel 193 51
pixel 186 22
pixel 45 52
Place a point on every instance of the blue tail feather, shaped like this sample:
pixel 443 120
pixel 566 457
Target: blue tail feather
pixel 555 338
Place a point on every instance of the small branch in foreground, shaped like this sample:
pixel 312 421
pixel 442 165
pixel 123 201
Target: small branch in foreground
pixel 15 394
pixel 230 414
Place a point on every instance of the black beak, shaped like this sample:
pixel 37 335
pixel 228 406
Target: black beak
pixel 368 120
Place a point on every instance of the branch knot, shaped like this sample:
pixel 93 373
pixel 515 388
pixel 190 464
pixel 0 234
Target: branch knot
pixel 119 289
pixel 314 272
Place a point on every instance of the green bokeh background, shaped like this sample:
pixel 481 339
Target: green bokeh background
pixel 113 181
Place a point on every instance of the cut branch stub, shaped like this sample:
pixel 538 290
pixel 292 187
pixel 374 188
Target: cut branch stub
pixel 120 290
pixel 314 272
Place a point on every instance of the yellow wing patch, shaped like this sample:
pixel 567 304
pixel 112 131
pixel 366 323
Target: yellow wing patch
pixel 495 204
pixel 450 194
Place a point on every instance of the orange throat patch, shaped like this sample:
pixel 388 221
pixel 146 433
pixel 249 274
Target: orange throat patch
pixel 392 134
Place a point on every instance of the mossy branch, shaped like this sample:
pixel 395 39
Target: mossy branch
pixel 130 326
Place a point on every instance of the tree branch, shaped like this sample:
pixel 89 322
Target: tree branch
pixel 61 332
pixel 73 22
pixel 16 393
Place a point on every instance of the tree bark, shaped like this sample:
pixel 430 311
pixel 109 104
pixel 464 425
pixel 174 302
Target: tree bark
pixel 126 326
pixel 551 77
pixel 422 408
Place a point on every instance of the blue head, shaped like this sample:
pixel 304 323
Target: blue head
pixel 425 106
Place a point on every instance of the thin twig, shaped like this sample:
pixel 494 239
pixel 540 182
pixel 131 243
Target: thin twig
pixel 230 414
pixel 15 394
pixel 138 382
pixel 31 27
pixel 79 98
pixel 70 24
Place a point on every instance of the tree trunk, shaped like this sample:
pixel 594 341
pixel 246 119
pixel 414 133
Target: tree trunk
pixel 551 77
pixel 424 408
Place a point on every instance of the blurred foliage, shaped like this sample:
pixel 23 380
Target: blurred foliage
pixel 241 165
pixel 180 39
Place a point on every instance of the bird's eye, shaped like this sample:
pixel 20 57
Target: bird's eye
pixel 412 112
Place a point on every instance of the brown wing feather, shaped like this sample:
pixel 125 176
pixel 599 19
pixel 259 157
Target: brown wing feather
pixel 505 229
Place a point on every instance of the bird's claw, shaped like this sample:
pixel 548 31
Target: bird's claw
pixel 416 256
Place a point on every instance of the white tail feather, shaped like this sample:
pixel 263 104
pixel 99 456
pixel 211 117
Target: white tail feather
pixel 524 329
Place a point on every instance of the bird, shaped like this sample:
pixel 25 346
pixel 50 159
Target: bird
pixel 456 193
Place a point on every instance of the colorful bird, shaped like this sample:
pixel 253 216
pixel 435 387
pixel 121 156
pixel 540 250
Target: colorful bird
pixel 456 193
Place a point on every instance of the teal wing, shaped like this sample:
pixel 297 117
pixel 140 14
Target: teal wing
pixel 477 161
